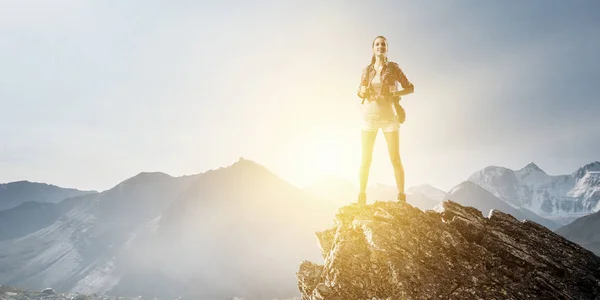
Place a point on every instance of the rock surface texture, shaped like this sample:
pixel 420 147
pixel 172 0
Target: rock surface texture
pixel 391 250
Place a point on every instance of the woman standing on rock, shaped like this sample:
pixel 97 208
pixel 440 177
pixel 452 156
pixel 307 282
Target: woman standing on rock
pixel 378 89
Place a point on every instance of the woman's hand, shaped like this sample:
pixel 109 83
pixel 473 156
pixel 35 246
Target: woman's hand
pixel 409 90
pixel 363 93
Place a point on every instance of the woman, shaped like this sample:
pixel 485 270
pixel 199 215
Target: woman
pixel 378 89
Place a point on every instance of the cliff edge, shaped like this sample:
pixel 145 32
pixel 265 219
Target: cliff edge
pixel 391 250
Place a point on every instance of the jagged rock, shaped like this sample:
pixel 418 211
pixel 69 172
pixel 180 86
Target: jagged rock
pixel 48 291
pixel 391 250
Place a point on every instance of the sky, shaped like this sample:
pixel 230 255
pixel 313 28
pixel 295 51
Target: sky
pixel 95 92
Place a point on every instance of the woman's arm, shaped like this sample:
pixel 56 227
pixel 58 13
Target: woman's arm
pixel 407 87
pixel 405 91
pixel 362 86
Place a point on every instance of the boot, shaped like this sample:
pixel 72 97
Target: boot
pixel 362 198
pixel 401 197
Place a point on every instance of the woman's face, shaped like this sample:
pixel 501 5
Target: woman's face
pixel 380 47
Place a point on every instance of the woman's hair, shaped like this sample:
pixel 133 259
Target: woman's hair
pixel 373 44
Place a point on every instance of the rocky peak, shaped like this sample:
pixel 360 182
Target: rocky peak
pixel 494 175
pixel 532 167
pixel 465 185
pixel 532 174
pixel 246 164
pixel 591 167
pixel 391 250
pixel 146 178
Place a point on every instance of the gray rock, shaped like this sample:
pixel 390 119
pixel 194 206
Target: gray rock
pixel 391 250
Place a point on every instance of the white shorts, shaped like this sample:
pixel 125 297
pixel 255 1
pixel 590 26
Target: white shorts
pixel 386 125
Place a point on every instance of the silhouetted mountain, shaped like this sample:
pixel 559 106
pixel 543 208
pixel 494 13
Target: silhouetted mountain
pixel 584 231
pixel 240 231
pixel 79 244
pixel 32 216
pixel 236 231
pixel 15 193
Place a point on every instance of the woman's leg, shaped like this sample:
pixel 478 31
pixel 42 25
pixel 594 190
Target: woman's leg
pixel 393 142
pixel 368 142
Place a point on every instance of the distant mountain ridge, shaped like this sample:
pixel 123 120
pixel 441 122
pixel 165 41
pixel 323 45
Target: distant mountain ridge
pixel 584 231
pixel 15 193
pixel 236 231
pixel 342 192
pixel 79 243
pixel 428 190
pixel 555 196
pixel 160 235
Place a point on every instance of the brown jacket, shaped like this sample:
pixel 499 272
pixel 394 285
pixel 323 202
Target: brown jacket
pixel 390 73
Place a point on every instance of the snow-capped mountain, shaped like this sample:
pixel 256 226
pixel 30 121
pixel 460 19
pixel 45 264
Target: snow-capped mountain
pixel 239 230
pixel 471 194
pixel 13 194
pixel 559 197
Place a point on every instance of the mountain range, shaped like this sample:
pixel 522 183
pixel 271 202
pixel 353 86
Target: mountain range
pixel 15 193
pixel 471 194
pixel 562 198
pixel 236 231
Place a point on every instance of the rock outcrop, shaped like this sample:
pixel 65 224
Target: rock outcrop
pixel 391 250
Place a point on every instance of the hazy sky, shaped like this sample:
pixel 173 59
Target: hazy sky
pixel 94 92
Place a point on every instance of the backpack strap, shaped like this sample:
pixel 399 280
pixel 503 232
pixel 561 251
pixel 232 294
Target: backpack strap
pixel 365 77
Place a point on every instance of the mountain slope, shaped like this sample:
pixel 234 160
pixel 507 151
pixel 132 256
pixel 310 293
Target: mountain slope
pixel 239 231
pixel 32 216
pixel 584 231
pixel 78 245
pixel 429 191
pixel 471 194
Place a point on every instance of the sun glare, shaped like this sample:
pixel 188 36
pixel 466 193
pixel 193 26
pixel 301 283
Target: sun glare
pixel 321 155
